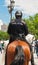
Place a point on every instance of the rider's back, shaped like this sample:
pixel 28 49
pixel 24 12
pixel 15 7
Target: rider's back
pixel 17 27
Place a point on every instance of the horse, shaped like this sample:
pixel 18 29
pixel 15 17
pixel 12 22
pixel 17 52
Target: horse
pixel 18 53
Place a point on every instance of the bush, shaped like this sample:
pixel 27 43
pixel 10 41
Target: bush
pixel 4 35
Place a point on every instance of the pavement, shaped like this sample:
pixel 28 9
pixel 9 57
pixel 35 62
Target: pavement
pixel 2 58
pixel 36 59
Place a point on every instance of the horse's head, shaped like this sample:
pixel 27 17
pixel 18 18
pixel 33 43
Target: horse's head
pixel 19 57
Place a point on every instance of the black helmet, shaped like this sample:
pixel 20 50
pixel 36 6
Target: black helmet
pixel 18 14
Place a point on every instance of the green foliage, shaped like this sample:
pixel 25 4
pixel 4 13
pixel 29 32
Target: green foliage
pixel 4 35
pixel 32 24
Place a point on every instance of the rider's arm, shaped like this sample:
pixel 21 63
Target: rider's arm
pixel 9 28
pixel 26 29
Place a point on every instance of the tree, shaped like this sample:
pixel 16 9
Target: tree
pixel 4 35
pixel 32 24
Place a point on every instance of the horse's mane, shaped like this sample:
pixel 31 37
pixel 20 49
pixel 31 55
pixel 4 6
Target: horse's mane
pixel 19 57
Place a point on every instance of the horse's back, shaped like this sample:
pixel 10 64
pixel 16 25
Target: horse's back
pixel 11 50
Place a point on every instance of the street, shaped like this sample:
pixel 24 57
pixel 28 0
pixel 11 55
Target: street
pixel 2 58
pixel 36 59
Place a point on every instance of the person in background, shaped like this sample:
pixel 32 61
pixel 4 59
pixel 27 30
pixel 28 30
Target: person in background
pixel 36 46
pixel 3 45
pixel 0 47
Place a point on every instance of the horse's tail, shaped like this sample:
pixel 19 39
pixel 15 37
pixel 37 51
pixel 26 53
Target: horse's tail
pixel 19 57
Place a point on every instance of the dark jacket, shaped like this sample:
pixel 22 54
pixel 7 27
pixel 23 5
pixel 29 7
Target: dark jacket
pixel 17 27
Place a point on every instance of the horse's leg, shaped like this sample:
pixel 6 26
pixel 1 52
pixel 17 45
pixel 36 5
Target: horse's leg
pixel 11 39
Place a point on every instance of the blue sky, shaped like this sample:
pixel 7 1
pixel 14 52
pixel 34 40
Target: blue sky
pixel 28 7
pixel 4 15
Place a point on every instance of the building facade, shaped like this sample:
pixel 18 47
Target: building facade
pixel 4 27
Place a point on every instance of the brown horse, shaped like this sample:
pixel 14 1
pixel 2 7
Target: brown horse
pixel 18 53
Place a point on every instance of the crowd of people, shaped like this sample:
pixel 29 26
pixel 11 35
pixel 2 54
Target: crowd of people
pixel 36 46
pixel 1 46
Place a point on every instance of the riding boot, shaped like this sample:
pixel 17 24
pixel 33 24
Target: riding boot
pixel 10 40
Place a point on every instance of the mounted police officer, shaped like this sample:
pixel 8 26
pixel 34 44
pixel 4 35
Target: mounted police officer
pixel 18 26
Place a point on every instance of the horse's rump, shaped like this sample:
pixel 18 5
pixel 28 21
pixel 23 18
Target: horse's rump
pixel 11 51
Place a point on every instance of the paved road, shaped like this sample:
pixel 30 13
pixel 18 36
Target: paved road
pixel 2 58
pixel 36 59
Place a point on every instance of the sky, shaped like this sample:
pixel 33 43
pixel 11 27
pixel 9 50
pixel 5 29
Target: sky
pixel 28 8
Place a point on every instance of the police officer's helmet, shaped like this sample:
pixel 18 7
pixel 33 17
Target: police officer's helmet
pixel 18 14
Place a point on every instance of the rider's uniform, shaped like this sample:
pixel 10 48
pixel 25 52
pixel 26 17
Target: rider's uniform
pixel 16 27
